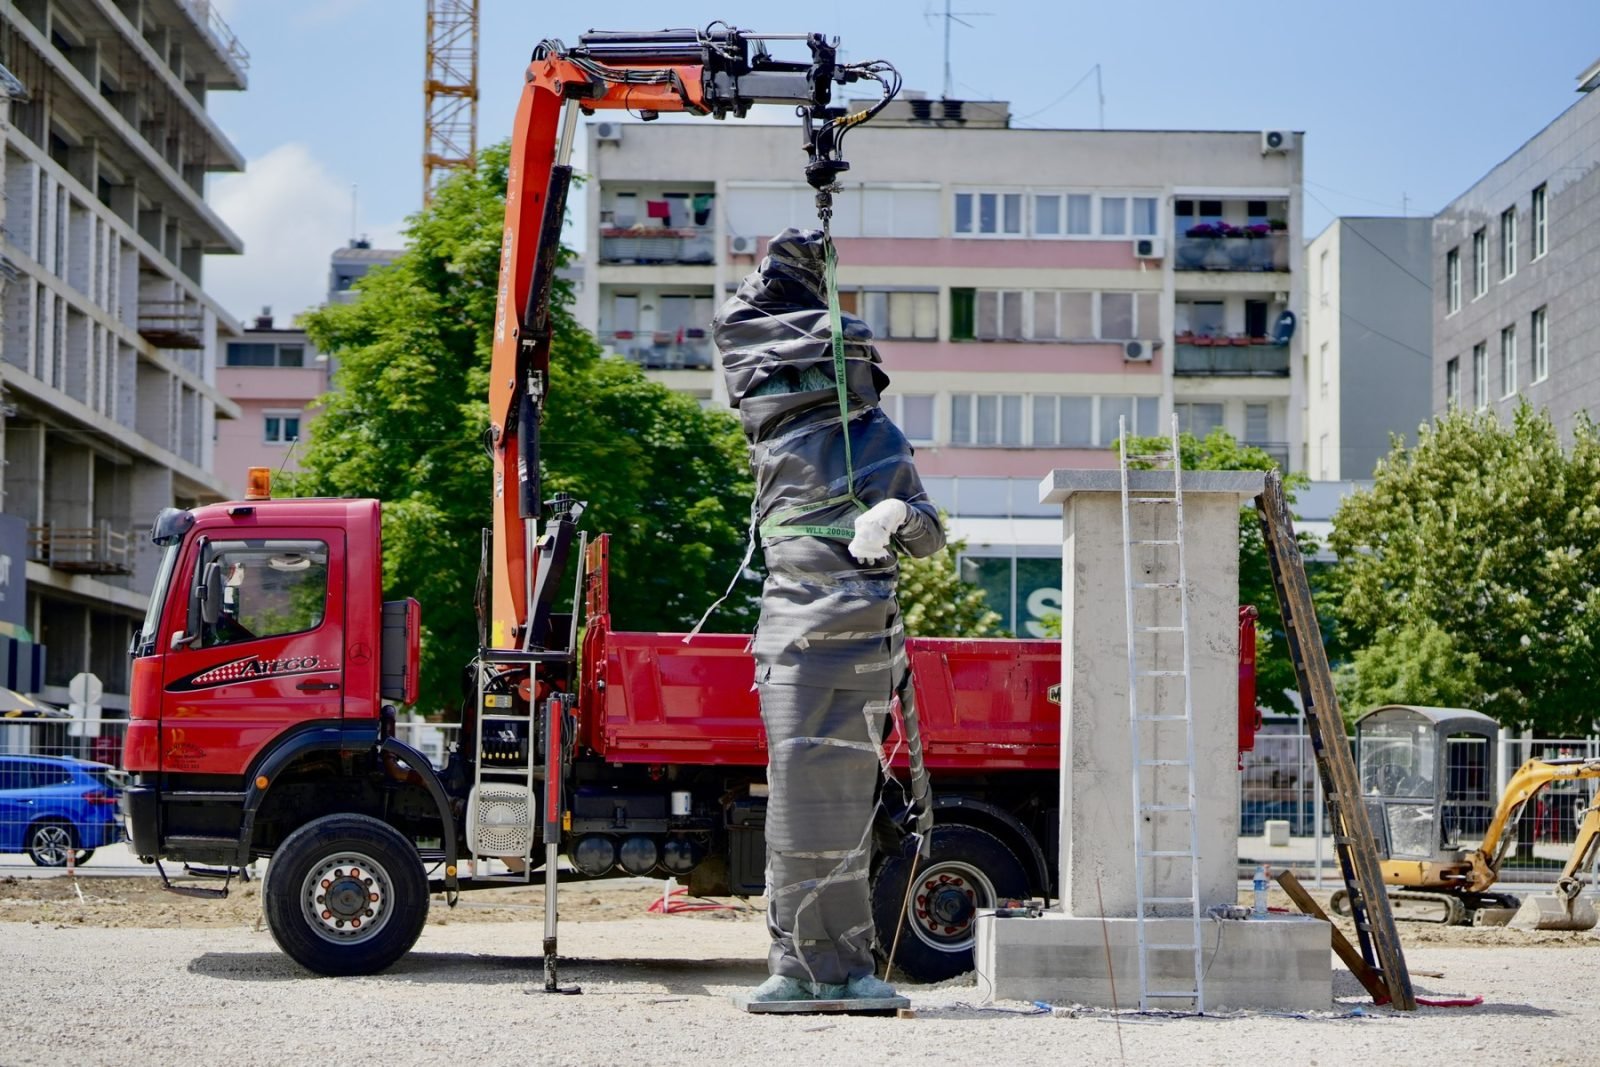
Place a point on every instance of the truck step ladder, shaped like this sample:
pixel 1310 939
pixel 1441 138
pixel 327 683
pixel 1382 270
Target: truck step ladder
pixel 1150 679
pixel 1353 841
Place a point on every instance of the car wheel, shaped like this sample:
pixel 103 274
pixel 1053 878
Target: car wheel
pixel 969 869
pixel 346 895
pixel 50 841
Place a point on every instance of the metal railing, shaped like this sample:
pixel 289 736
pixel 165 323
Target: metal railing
pixel 209 19
pixel 1269 252
pixel 1234 360
pixel 171 323
pixel 96 549
pixel 677 350
pixel 645 245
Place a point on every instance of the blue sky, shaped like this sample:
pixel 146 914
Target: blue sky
pixel 1405 103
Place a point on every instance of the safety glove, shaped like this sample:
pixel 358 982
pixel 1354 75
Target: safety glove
pixel 874 527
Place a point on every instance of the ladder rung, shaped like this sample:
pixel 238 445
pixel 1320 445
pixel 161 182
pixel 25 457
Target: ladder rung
pixel 1153 499
pixel 1165 807
pixel 1154 541
pixel 1162 718
pixel 1188 993
pixel 1161 674
pixel 1171 946
pixel 1158 585
pixel 1163 763
pixel 1158 629
pixel 1168 854
pixel 1169 900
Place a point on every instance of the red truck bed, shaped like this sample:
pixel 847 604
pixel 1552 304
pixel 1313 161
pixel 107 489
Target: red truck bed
pixel 982 703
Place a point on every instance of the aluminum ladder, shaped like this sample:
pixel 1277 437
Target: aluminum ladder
pixel 1157 540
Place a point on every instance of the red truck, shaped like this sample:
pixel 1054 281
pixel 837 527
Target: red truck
pixel 262 725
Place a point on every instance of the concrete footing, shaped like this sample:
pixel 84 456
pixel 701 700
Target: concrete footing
pixel 1272 964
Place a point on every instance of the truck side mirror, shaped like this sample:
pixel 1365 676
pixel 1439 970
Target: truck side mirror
pixel 209 593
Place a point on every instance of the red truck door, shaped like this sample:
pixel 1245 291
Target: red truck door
pixel 270 661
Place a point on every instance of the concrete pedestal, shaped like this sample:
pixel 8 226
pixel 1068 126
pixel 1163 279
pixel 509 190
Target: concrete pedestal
pixel 1273 964
pixel 1064 954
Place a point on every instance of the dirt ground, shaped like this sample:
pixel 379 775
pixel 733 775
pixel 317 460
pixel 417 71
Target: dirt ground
pixel 127 973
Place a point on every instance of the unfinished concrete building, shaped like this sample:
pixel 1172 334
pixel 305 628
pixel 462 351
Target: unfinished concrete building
pixel 108 346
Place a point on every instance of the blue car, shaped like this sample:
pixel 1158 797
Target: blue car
pixel 53 805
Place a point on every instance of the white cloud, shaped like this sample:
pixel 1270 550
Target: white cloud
pixel 291 213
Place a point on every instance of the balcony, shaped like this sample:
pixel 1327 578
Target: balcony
pixel 94 549
pixel 681 350
pixel 1236 357
pixel 1232 251
pixel 656 244
pixel 172 323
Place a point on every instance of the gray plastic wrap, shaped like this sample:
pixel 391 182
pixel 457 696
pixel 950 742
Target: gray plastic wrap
pixel 830 645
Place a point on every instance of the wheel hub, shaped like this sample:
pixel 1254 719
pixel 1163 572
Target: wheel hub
pixel 947 899
pixel 346 897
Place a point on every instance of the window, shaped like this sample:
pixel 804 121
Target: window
pixel 1324 367
pixel 1045 421
pixel 1049 315
pixel 1257 423
pixel 1116 316
pixel 1452 383
pixel 895 315
pixel 1452 281
pixel 1508 361
pixel 915 417
pixel 1047 215
pixel 1146 223
pixel 264 354
pixel 1323 279
pixel 281 427
pixel 1325 452
pixel 269 588
pixel 1480 263
pixel 1078 214
pixel 1198 419
pixel 1541 344
pixel 1508 243
pixel 1541 221
pixel 1055 213
pixel 1480 375
pixel 998 315
pixel 989 214
pixel 1113 216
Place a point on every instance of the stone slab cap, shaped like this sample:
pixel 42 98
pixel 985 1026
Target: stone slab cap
pixel 1060 484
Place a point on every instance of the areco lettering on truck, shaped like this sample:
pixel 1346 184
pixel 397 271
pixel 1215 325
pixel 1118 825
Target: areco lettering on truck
pixel 253 668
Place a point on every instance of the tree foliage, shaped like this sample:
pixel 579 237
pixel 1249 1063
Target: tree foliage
pixel 406 423
pixel 1469 576
pixel 1218 451
pixel 936 602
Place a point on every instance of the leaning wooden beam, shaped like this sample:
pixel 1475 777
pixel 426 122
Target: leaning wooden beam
pixel 1370 979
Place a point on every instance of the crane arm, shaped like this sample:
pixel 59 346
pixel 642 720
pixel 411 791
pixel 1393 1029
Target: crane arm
pixel 718 71
pixel 1531 777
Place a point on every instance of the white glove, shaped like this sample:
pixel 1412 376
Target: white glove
pixel 874 527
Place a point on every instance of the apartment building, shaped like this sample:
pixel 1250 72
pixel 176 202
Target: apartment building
pixel 1029 290
pixel 1514 258
pixel 1369 342
pixel 109 341
pixel 275 374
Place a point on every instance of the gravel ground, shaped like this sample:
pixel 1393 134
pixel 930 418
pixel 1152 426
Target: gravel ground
pixel 120 977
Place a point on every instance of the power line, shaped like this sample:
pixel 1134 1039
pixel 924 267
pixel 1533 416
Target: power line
pixel 1392 340
pixel 1363 237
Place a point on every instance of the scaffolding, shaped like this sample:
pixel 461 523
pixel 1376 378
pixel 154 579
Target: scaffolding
pixel 450 92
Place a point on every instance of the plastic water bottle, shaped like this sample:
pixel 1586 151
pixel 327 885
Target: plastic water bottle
pixel 1259 884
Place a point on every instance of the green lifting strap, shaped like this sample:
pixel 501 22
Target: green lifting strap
pixel 776 526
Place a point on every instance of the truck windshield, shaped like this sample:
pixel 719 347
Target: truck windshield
pixel 144 642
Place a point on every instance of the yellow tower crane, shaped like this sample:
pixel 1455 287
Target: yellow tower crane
pixel 450 92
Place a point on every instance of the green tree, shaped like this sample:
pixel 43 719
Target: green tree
pixel 1218 451
pixel 1469 575
pixel 665 478
pixel 936 602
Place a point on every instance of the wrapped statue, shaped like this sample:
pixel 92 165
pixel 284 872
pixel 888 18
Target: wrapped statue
pixel 837 495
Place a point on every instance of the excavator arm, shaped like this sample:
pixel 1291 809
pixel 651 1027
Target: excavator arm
pixel 1524 785
pixel 718 71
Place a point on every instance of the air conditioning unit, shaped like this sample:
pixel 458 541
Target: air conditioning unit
pixel 608 132
pixel 500 820
pixel 1149 248
pixel 741 245
pixel 1276 141
pixel 1138 351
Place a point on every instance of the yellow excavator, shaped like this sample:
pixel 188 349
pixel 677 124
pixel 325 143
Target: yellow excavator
pixel 1427 779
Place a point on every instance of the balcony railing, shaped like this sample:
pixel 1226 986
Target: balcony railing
pixel 94 549
pixel 205 15
pixel 1224 357
pixel 680 350
pixel 641 244
pixel 1266 253
pixel 172 324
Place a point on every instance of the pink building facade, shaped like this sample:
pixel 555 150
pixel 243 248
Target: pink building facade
pixel 275 375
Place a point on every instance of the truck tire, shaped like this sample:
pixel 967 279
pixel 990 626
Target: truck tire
pixel 969 869
pixel 345 895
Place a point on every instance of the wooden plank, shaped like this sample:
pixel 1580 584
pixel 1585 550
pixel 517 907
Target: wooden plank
pixel 1354 842
pixel 864 1006
pixel 1369 979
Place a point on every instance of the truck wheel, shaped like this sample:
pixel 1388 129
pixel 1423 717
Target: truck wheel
pixel 969 869
pixel 345 895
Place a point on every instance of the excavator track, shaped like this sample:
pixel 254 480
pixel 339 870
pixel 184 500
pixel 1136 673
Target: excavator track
pixel 1447 909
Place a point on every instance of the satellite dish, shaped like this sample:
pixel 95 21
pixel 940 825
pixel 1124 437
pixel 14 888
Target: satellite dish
pixel 1284 329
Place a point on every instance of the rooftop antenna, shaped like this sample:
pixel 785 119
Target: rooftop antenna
pixel 951 17
pixel 354 225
